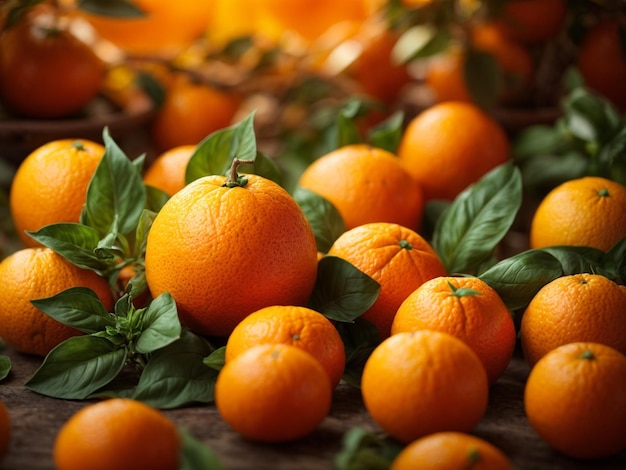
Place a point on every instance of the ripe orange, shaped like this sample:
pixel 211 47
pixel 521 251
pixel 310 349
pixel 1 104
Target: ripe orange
pixel 419 383
pixel 601 61
pixel 297 326
pixel 50 185
pixel 532 21
pixel 579 307
pixel 225 252
pixel 451 450
pixel 5 429
pixel 451 145
pixel 167 171
pixel 273 393
pixel 398 258
pixel 467 308
pixel 35 273
pixel 117 433
pixel 575 400
pixel 366 184
pixel 191 112
pixel 47 72
pixel 588 211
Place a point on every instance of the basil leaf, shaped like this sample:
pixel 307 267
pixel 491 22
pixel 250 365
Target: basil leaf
pixel 160 325
pixel 176 375
pixel 216 359
pixel 387 134
pixel 618 255
pixel 78 307
pixel 323 217
pixel 195 455
pixel 78 367
pixel 360 339
pixel 583 259
pixel 364 449
pixel 5 366
pixel 342 292
pixel 468 231
pixel 113 8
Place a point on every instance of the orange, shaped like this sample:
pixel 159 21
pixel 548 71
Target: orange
pixel 467 308
pixel 273 393
pixel 117 433
pixel 50 185
pixel 451 450
pixel 451 145
pixel 298 326
pixel 366 184
pixel 578 307
pixel 5 429
pixel 167 171
pixel 224 252
pixel 588 211
pixel 601 61
pixel 398 258
pixel 35 273
pixel 47 72
pixel 575 398
pixel 419 383
pixel 191 111
pixel 165 29
pixel 532 21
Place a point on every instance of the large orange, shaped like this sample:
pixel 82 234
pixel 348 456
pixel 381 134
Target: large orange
pixel 451 145
pixel 35 273
pixel 602 63
pixel 167 171
pixel 579 307
pixel 575 398
pixel 5 429
pixel 532 21
pixel 451 450
pixel 50 185
pixel 117 433
pixel 467 308
pixel 298 326
pixel 225 252
pixel 366 184
pixel 588 211
pixel 398 258
pixel 419 383
pixel 273 393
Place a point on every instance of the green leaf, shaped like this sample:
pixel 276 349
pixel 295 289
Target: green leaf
pixel 588 116
pixel 323 217
pixel 387 134
pixel 347 130
pixel 75 242
pixel 471 227
pixel 360 339
pixel 483 77
pixel 5 366
pixel 78 307
pixel 265 167
pixel 618 254
pixel 160 325
pixel 548 171
pixel 583 259
pixel 155 199
pixel 114 8
pixel 517 279
pixel 364 450
pixel 78 367
pixel 420 41
pixel 342 292
pixel 116 195
pixel 537 141
pixel 215 153
pixel 216 359
pixel 176 375
pixel 15 13
pixel 195 455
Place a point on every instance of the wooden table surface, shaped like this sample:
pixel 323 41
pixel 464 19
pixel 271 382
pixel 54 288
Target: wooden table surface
pixel 36 420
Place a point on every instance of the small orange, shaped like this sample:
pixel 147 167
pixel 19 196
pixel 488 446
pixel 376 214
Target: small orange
pixel 167 171
pixel 298 326
pixel 579 307
pixel 5 429
pixel 451 450
pixel 588 211
pixel 451 145
pixel 35 273
pixel 224 252
pixel 419 383
pixel 50 184
pixel 532 21
pixel 467 308
pixel 273 393
pixel 117 433
pixel 191 111
pixel 601 61
pixel 398 258
pixel 366 184
pixel 575 398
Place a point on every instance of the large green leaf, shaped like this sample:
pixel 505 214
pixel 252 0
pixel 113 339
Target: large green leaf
pixel 323 216
pixel 160 325
pixel 195 455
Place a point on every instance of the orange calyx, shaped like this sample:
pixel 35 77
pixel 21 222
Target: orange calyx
pixel 462 291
